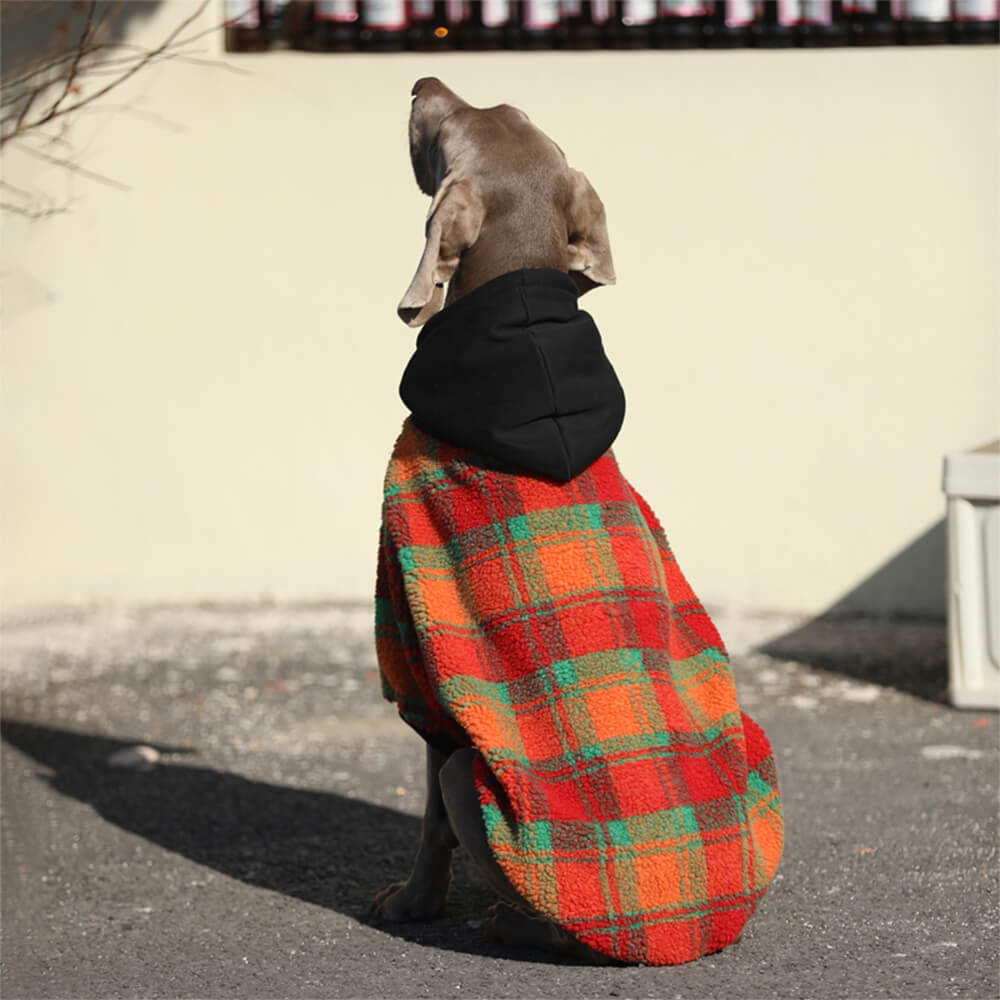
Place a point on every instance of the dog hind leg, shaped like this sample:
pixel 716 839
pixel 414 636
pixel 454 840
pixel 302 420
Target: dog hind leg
pixel 422 896
pixel 512 921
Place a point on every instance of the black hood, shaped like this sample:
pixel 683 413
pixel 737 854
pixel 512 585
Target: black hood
pixel 517 372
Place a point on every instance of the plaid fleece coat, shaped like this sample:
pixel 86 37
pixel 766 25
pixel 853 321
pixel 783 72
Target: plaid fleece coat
pixel 548 626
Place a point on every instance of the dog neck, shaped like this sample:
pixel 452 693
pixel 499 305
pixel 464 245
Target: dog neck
pixel 478 267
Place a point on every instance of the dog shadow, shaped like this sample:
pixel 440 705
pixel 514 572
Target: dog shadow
pixel 316 846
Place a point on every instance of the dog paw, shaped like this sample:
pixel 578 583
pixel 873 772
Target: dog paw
pixel 403 902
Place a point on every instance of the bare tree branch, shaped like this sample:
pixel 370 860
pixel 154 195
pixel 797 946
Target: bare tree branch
pixel 56 111
pixel 67 59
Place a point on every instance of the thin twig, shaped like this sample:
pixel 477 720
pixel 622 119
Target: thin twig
pixel 101 69
pixel 42 66
pixel 15 188
pixel 75 168
pixel 53 140
pixel 37 213
pixel 150 116
pixel 81 48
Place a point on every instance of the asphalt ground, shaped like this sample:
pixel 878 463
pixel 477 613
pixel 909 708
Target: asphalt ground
pixel 284 793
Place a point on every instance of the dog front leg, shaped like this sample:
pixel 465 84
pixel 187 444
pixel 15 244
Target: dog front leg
pixel 422 896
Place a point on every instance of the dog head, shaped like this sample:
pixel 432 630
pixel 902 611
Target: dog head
pixel 502 198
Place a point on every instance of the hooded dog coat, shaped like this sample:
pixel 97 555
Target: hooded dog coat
pixel 528 605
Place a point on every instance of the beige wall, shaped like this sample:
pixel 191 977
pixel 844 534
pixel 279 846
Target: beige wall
pixel 199 374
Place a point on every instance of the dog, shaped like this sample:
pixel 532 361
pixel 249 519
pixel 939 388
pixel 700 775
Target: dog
pixel 584 743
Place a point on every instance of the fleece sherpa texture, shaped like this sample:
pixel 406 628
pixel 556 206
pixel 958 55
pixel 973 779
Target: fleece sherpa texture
pixel 548 626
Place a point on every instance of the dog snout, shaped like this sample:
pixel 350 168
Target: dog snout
pixel 433 101
pixel 425 81
pixel 431 86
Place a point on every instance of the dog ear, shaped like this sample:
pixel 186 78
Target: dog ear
pixel 589 247
pixel 453 225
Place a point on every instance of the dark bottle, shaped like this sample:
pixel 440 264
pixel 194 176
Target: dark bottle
pixel 680 24
pixel 489 25
pixel 299 24
pixel 631 25
pixel 870 22
pixel 584 23
pixel 926 22
pixel 539 24
pixel 728 24
pixel 977 22
pixel 823 24
pixel 336 25
pixel 276 23
pixel 777 24
pixel 383 25
pixel 246 29
pixel 423 18
pixel 428 26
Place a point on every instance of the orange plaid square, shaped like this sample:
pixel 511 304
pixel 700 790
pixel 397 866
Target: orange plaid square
pixel 567 568
pixel 444 604
pixel 658 880
pixel 612 713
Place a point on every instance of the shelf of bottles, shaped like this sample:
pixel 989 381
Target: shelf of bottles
pixel 444 25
